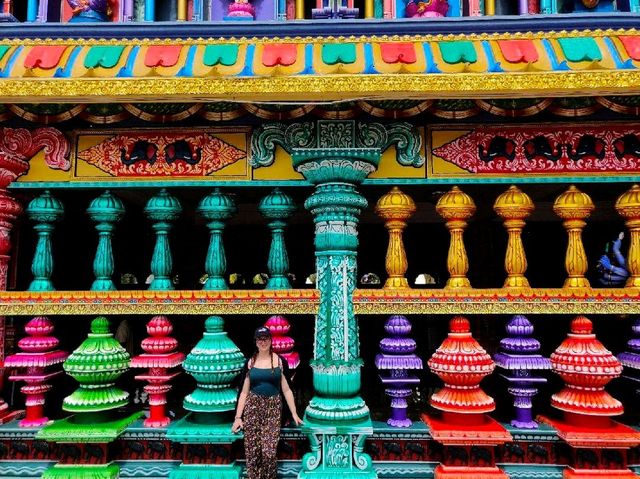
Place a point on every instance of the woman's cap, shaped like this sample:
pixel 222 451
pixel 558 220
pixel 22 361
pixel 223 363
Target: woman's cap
pixel 262 332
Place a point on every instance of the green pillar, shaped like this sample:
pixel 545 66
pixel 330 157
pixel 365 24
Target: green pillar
pixel 336 156
pixel 45 211
pixel 105 211
pixel 216 208
pixel 277 208
pixel 162 209
pixel 337 418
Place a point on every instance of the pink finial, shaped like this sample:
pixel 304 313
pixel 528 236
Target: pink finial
pixel 37 355
pixel 159 356
pixel 280 342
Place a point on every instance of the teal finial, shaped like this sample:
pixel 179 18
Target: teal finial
pixel 105 211
pixel 96 364
pixel 277 207
pixel 214 362
pixel 216 208
pixel 45 210
pixel 162 209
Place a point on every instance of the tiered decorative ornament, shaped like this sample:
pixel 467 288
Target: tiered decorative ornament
pixel 159 356
pixel 586 367
pixel 281 343
pixel 96 364
pixel 630 359
pixel 462 363
pixel 398 358
pixel 519 357
pixel 214 363
pixel 38 355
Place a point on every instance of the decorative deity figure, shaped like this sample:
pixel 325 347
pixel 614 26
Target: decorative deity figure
pixel 241 10
pixel 90 10
pixel 612 265
pixel 426 8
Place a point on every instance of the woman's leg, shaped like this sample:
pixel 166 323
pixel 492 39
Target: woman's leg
pixel 271 436
pixel 252 436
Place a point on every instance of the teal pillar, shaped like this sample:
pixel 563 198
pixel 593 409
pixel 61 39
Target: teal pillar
pixel 45 211
pixel 277 208
pixel 105 211
pixel 162 209
pixel 336 156
pixel 337 418
pixel 216 208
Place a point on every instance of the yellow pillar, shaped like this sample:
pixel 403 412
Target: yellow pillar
pixel 395 208
pixel 368 9
pixel 456 208
pixel 574 207
pixel 513 206
pixel 628 206
pixel 299 9
pixel 489 7
pixel 182 10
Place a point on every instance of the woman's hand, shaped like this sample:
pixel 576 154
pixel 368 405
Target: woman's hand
pixel 297 421
pixel 237 425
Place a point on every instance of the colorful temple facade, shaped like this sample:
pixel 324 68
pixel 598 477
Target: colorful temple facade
pixel 434 206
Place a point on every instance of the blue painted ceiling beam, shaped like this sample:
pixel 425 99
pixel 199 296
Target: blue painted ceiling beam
pixel 464 25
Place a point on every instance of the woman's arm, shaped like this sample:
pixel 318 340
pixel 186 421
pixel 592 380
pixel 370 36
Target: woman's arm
pixel 288 396
pixel 237 423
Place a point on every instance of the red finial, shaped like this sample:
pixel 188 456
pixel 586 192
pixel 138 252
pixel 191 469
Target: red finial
pixel 281 343
pixel 461 363
pixel 586 367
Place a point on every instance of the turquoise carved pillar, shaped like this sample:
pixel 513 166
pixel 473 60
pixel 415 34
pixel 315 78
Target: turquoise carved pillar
pixel 336 156
pixel 216 208
pixel 277 207
pixel 45 211
pixel 105 211
pixel 162 209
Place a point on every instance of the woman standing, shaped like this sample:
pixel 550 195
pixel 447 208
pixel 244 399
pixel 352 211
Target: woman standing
pixel 260 407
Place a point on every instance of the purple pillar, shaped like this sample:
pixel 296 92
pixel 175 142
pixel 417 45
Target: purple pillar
pixel 396 359
pixel 518 359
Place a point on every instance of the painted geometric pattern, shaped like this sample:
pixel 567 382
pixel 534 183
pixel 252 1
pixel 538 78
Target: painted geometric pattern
pixel 613 148
pixel 161 154
pixel 528 53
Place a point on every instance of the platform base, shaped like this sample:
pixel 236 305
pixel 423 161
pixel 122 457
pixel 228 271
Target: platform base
pixel 571 473
pixel 461 472
pixel 73 471
pixel 206 471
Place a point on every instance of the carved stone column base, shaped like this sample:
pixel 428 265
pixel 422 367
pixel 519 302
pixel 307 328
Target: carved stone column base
pixel 337 451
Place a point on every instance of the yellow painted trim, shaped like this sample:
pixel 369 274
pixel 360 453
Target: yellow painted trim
pixel 338 87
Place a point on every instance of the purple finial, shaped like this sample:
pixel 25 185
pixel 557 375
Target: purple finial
pixel 630 359
pixel 518 357
pixel 397 358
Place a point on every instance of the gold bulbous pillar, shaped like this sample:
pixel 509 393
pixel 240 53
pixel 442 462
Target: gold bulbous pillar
pixel 456 207
pixel 513 206
pixel 628 206
pixel 395 208
pixel 574 206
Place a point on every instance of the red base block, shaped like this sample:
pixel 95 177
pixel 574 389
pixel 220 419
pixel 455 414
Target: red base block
pixel 571 473
pixel 465 472
pixel 486 433
pixel 612 435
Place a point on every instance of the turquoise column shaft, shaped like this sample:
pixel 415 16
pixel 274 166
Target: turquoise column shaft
pixel 216 262
pixel 42 265
pixel 105 211
pixel 149 10
pixel 634 6
pixel 32 10
pixel 162 209
pixel 161 261
pixel 45 210
pixel 216 208
pixel 278 262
